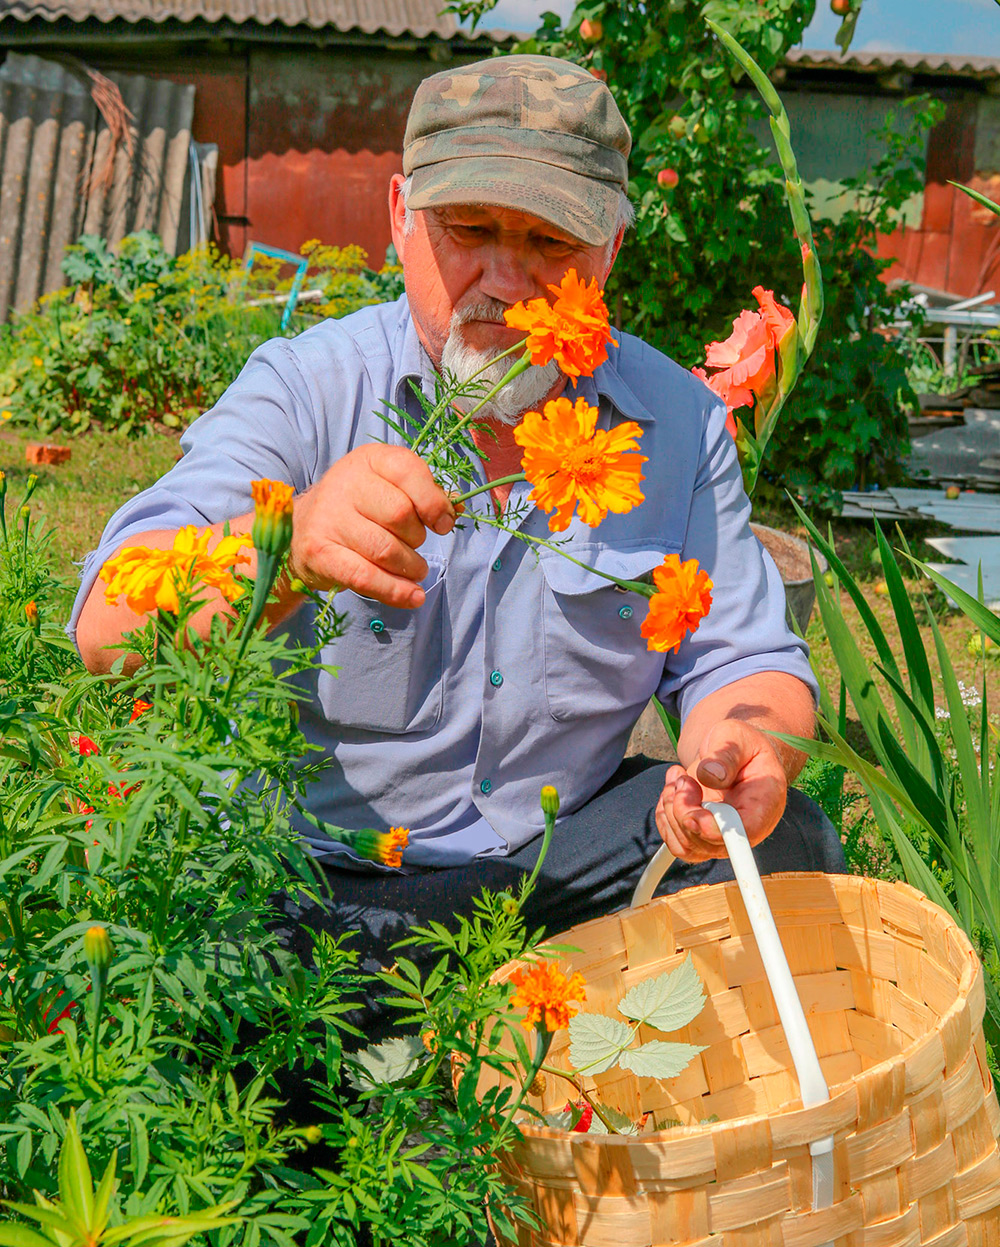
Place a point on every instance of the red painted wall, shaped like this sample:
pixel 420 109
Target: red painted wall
pixel 957 247
pixel 325 135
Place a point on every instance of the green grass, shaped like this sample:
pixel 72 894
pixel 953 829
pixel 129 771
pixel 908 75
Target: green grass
pixel 75 500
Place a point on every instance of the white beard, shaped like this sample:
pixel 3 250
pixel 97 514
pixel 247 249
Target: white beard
pixel 524 393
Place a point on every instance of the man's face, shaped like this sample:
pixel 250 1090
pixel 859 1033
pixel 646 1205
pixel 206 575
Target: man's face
pixel 476 261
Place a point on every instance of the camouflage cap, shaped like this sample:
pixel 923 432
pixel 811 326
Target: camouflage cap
pixel 528 132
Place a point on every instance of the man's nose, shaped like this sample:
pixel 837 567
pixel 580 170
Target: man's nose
pixel 506 275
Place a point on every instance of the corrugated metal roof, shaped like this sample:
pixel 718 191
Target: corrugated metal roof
pixel 54 151
pixel 887 62
pixel 419 18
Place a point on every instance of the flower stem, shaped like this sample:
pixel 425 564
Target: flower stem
pixel 567 1076
pixel 632 586
pixel 543 1041
pixel 509 376
pixel 481 489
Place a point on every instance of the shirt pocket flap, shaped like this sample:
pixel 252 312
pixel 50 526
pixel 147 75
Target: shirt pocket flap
pixel 627 563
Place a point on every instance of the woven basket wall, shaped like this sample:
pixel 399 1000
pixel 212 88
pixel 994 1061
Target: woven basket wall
pixel 894 998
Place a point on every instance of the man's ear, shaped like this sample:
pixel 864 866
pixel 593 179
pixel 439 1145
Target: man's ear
pixel 397 214
pixel 613 252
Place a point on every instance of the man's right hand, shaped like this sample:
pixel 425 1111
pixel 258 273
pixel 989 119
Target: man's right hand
pixel 361 525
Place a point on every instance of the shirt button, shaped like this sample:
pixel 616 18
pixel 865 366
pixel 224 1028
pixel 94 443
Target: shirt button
pixel 377 626
pixel 486 787
pixel 497 564
pixel 625 612
pixel 496 679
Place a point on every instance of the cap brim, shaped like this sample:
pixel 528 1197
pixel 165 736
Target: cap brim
pixel 583 207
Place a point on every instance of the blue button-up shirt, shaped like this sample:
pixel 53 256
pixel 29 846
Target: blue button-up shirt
pixel 520 669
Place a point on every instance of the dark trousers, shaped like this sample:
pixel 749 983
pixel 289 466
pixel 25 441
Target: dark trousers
pixel 592 868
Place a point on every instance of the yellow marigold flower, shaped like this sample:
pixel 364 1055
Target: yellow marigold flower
pixel 549 997
pixel 572 463
pixel 681 601
pixel 149 579
pixel 573 330
pixel 272 525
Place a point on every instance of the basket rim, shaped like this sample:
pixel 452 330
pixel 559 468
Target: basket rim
pixel 972 971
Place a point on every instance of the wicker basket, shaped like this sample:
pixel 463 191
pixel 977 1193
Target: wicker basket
pixel 893 994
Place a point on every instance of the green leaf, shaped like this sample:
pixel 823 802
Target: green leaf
pixel 21 1236
pixel 387 1062
pixel 622 1123
pixel 668 1001
pixel 76 1189
pixel 659 1058
pixel 596 1042
pixel 980 199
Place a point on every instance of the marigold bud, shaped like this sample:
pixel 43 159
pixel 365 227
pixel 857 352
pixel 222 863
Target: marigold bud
pixel 591 31
pixel 429 1039
pixel 272 525
pixel 97 948
pixel 550 801
pixel 312 1134
pixel 31 612
pixel 537 1085
pixel 509 905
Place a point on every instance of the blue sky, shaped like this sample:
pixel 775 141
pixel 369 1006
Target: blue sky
pixel 948 26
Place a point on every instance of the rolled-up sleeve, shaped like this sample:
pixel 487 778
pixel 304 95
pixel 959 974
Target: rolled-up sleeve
pixel 268 424
pixel 745 632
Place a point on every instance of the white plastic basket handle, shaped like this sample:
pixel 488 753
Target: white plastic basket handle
pixel 812 1084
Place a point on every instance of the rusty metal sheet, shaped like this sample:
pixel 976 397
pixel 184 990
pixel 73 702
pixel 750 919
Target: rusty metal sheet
pixel 51 143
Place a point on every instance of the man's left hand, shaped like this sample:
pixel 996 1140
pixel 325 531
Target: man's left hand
pixel 735 763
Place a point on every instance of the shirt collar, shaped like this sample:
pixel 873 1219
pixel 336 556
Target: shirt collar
pixel 412 361
pixel 607 382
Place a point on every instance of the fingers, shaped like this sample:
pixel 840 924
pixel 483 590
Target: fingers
pixel 736 764
pixel 429 502
pixel 360 527
pixel 689 831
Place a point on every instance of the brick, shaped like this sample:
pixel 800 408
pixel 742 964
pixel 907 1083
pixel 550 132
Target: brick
pixel 46 452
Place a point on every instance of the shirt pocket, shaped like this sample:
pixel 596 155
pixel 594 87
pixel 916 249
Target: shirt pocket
pixel 390 663
pixel 596 661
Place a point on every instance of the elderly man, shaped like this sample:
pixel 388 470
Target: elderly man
pixel 472 672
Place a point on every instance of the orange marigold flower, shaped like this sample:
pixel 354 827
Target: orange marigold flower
pixel 149 579
pixel 139 707
pixel 31 613
pixel 381 846
pixel 549 997
pixel 574 330
pixel 272 523
pixel 272 497
pixel 572 463
pixel 681 601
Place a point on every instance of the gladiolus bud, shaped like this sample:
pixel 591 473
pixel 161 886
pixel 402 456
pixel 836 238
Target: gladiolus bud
pixel 591 31
pixel 668 178
pixel 97 948
pixel 550 801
